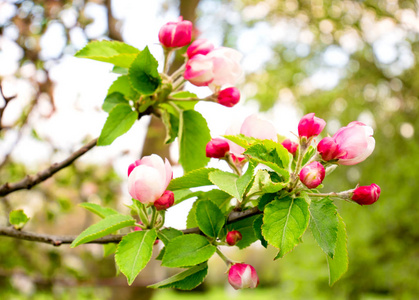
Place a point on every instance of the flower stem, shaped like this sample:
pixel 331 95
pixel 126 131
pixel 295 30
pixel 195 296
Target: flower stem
pixel 167 54
pixel 153 216
pixel 223 257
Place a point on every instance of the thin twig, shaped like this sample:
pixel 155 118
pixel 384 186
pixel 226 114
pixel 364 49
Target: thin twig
pixel 31 180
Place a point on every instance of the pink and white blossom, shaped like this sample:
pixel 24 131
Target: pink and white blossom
pixel 312 175
pixel 199 46
pixel 242 276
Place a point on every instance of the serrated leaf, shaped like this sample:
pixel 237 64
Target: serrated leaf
pixel 134 252
pixel 324 224
pixel 265 199
pixel 242 140
pixel 186 280
pixel 181 195
pixel 120 120
pixel 257 227
pixel 284 223
pixel 187 250
pixel 339 264
pixel 245 226
pixel 18 218
pixel 171 122
pixel 102 212
pixel 114 52
pixel 183 95
pixel 308 155
pixel 167 234
pixel 143 74
pixel 191 179
pixel 210 218
pixel 109 249
pixel 264 184
pixel 104 227
pixel 119 70
pixel 193 138
pixel 112 100
pixel 122 85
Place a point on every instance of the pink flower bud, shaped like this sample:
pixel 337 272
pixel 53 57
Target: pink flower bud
pixel 226 66
pixel 242 276
pixel 199 70
pixel 165 201
pixel 233 237
pixel 150 177
pixel 229 96
pixel 290 146
pixel 312 174
pixel 200 46
pixel 310 126
pixel 176 34
pixel 350 145
pixel 366 195
pixel 217 148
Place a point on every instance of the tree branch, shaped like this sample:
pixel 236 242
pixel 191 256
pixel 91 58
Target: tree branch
pixel 57 240
pixel 31 180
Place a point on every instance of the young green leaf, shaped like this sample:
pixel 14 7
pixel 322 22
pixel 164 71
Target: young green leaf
pixel 186 280
pixel 210 218
pixel 245 226
pixel 191 179
pixel 183 95
pixel 112 100
pixel 324 224
pixel 18 218
pixel 284 223
pixel 104 227
pixel 339 264
pixel 134 251
pixel 102 212
pixel 114 52
pixel 143 74
pixel 241 140
pixel 264 184
pixel 309 154
pixel 171 122
pixel 122 85
pixel 257 227
pixel 187 250
pixel 120 120
pixel 193 138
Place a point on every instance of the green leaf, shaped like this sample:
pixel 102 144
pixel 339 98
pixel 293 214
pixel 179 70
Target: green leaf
pixel 339 264
pixel 210 218
pixel 187 250
pixel 257 227
pixel 120 120
pixel 284 223
pixel 18 218
pixel 167 234
pixel 242 140
pixel 109 249
pixel 191 179
pixel 265 199
pixel 264 184
pixel 116 53
pixel 193 138
pixel 183 95
pixel 324 224
pixel 104 227
pixel 134 251
pixel 308 155
pixel 186 280
pixel 112 100
pixel 122 85
pixel 143 74
pixel 181 195
pixel 171 122
pixel 119 70
pixel 245 226
pixel 102 212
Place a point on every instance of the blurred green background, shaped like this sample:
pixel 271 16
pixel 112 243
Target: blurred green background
pixel 344 60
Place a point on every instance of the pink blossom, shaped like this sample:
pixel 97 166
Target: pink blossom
pixel 366 195
pixel 149 178
pixel 176 34
pixel 199 46
pixel 242 276
pixel 199 70
pixel 350 145
pixel 217 148
pixel 310 126
pixel 165 201
pixel 290 146
pixel 229 96
pixel 312 175
pixel 233 237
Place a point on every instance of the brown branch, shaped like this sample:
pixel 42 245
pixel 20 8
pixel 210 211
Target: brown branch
pixel 6 102
pixel 31 180
pixel 57 240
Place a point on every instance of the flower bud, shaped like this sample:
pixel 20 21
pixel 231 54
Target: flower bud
pixel 176 34
pixel 233 237
pixel 366 195
pixel 312 174
pixel 242 276
pixel 310 126
pixel 226 66
pixel 229 96
pixel 217 148
pixel 290 146
pixel 350 145
pixel 199 46
pixel 199 70
pixel 165 201
pixel 149 178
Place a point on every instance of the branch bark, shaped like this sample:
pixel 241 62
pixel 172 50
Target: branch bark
pixel 58 240
pixel 31 180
